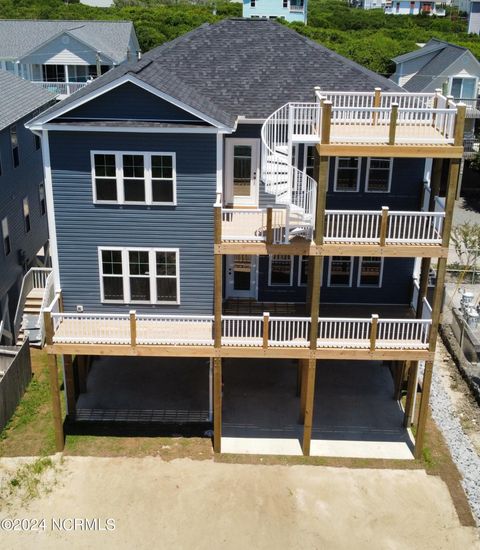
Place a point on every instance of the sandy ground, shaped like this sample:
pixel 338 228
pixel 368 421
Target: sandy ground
pixel 187 504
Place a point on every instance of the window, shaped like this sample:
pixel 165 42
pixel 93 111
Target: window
pixel 26 214
pixel 464 88
pixel 280 271
pixel 309 161
pixel 53 73
pixel 41 196
pixel 303 271
pixel 252 3
pixel 285 3
pixel 7 248
pixel 347 174
pixel 340 271
pixel 370 272
pixel 134 178
pixel 140 275
pixel 36 142
pixel 14 145
pixel 379 175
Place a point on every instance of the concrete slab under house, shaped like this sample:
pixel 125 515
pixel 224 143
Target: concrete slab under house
pixel 272 216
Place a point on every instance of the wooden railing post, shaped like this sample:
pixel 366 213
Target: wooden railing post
pixel 217 221
pixel 393 124
pixel 270 225
pixel 48 322
pixel 266 322
pixel 133 328
pixel 384 226
pixel 373 332
pixel 376 103
pixel 326 121
pixel 460 124
pixel 438 92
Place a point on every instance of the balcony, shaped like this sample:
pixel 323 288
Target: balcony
pixel 62 89
pixel 242 335
pixel 379 228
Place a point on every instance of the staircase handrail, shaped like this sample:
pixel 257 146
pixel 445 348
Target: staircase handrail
pixel 48 297
pixel 277 131
pixel 34 278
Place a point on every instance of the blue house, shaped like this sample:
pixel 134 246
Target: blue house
pixel 221 218
pixel 23 208
pixel 290 10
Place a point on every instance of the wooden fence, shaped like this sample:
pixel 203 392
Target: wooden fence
pixel 17 369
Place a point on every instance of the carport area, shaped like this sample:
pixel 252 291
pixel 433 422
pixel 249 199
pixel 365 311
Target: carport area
pixel 355 414
pixel 146 389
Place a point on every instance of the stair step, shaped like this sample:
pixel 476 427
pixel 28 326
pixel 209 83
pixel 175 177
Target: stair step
pixel 36 293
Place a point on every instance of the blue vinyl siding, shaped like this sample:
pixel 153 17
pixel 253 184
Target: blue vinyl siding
pixel 130 102
pixel 82 226
pixel 396 285
pixel 15 184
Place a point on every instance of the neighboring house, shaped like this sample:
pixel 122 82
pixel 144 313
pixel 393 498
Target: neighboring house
pixel 448 67
pixel 414 7
pixel 474 17
pixel 62 56
pixel 290 10
pixel 243 194
pixel 23 209
pixel 98 3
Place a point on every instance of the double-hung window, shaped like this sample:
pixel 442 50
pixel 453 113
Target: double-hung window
pixel 379 175
pixel 133 178
pixel 280 271
pixel 7 247
pixel 370 272
pixel 139 275
pixel 347 174
pixel 340 271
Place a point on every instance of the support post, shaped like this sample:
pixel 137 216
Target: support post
pixel 326 121
pixel 423 286
pixel 384 226
pixel 269 225
pixel 217 404
pixel 48 323
pixel 411 390
pixel 266 321
pixel 373 332
pixel 423 411
pixel 69 386
pixel 453 173
pixel 218 292
pixel 437 302
pixel 309 399
pixel 56 405
pixel 460 124
pixel 322 187
pixel 133 328
pixel 392 131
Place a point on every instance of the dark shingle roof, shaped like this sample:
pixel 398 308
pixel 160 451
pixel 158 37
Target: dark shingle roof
pixel 20 37
pixel 243 67
pixel 444 54
pixel 19 97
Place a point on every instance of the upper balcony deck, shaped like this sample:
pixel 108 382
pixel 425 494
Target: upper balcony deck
pixel 380 123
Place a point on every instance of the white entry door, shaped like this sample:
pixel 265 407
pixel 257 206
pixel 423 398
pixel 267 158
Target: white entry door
pixel 241 280
pixel 242 156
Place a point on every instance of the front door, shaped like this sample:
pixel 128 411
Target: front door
pixel 241 276
pixel 242 171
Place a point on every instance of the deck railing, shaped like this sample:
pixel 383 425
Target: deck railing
pixel 237 330
pixel 383 227
pixel 254 225
pixel 61 88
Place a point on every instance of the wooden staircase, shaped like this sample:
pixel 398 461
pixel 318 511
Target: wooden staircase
pixel 31 312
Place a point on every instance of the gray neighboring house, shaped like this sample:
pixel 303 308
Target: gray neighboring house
pixel 23 219
pixel 62 56
pixel 474 17
pixel 451 68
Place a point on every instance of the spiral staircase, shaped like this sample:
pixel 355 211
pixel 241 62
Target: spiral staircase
pixel 294 123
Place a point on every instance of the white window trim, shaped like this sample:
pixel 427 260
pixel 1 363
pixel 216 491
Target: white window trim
pixel 305 151
pixel 367 175
pixel 350 282
pixel 463 77
pixel 270 271
pixel 147 156
pixel 380 280
pixel 359 173
pixel 126 275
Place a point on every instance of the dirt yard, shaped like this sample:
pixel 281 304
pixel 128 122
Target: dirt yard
pixel 185 504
